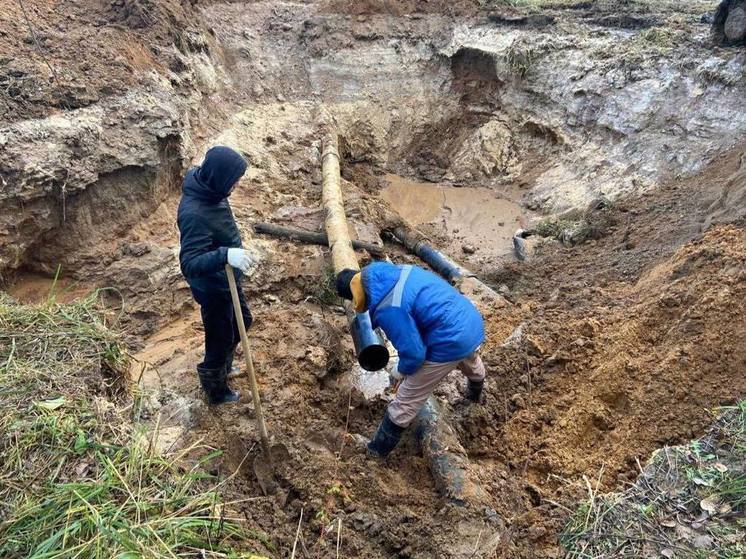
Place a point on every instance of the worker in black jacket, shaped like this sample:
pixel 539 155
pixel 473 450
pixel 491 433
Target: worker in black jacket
pixel 209 239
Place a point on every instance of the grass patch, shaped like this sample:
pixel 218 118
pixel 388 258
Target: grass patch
pixel 689 501
pixel 594 223
pixel 326 292
pixel 76 479
pixel 660 37
pixel 520 58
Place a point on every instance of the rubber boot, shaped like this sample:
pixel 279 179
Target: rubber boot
pixel 474 390
pixel 215 385
pixel 386 438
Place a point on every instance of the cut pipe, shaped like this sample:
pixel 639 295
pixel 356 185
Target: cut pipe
pixel 370 350
pixel 456 275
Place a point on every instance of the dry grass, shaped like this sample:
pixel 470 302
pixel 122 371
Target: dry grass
pixel 594 223
pixel 76 478
pixel 689 501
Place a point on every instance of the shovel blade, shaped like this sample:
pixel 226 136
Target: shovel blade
pixel 266 467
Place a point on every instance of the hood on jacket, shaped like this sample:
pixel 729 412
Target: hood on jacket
pixel 378 279
pixel 219 172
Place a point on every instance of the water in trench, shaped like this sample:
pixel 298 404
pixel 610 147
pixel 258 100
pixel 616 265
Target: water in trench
pixel 475 219
pixel 31 289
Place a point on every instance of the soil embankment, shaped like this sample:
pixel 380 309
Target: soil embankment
pixel 606 346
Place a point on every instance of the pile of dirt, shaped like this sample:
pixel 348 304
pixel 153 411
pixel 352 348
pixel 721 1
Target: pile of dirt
pixel 624 344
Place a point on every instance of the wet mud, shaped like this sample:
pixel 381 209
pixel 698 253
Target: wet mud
pixel 599 352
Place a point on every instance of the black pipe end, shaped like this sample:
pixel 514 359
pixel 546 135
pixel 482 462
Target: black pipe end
pixel 371 352
pixel 373 357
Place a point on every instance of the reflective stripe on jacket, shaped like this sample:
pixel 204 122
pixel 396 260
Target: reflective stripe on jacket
pixel 425 318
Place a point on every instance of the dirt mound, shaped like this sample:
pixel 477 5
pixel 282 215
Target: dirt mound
pixel 633 370
pixel 624 344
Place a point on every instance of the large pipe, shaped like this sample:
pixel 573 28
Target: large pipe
pixel 458 276
pixel 447 458
pixel 370 350
pixel 440 263
pixel 371 353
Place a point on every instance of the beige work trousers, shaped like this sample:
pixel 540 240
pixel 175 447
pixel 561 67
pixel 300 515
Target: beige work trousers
pixel 416 388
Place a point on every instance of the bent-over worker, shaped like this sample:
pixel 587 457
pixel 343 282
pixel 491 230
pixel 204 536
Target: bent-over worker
pixel 209 239
pixel 434 328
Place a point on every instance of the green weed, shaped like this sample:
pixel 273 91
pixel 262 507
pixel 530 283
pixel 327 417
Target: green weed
pixel 76 480
pixel 679 483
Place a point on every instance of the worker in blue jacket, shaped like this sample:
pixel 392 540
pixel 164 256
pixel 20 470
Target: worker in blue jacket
pixel 209 239
pixel 434 328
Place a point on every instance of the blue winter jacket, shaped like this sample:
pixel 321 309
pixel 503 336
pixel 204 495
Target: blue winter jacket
pixel 424 317
pixel 206 222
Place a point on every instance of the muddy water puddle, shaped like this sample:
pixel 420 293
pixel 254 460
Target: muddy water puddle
pixel 474 218
pixel 33 289
pixel 370 383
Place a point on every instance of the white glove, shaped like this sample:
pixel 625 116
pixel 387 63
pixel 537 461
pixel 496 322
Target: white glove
pixel 241 259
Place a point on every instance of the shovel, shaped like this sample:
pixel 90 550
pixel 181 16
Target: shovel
pixel 264 464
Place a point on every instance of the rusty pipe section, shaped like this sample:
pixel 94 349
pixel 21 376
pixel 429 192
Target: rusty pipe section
pixel 449 463
pixel 370 350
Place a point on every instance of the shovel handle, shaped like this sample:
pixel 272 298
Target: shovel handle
pixel 249 362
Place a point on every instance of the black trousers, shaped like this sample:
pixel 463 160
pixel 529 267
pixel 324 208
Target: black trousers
pixel 221 328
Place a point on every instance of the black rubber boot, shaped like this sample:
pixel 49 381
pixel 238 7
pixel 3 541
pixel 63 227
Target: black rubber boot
pixel 474 390
pixel 215 385
pixel 386 438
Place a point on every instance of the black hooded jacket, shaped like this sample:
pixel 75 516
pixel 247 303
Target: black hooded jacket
pixel 206 221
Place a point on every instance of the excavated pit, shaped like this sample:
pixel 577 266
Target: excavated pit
pixel 468 126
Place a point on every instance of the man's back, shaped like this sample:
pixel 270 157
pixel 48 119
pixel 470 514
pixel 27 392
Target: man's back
pixel 448 324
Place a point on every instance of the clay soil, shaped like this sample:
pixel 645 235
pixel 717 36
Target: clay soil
pixel 63 55
pixel 626 342
pixel 621 345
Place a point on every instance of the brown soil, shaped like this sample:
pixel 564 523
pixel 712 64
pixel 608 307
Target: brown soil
pixel 626 341
pixel 67 54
